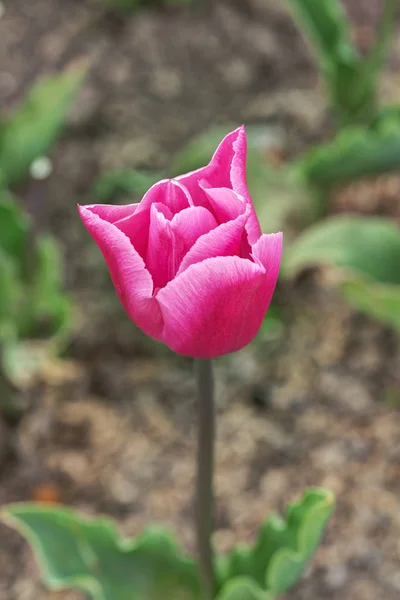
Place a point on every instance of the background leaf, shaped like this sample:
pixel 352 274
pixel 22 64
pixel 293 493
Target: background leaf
pixel 325 24
pixel 353 154
pixel 241 588
pixel 284 546
pixel 34 126
pixel 379 51
pixel 47 303
pixel 10 295
pixel 379 301
pixel 366 253
pixel 370 245
pixel 305 522
pixel 351 80
pixel 14 227
pixel 85 554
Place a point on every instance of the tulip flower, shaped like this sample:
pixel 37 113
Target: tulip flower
pixel 189 262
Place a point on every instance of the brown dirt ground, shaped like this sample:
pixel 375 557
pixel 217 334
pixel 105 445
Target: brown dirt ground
pixel 111 429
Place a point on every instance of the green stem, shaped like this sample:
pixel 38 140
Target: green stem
pixel 205 470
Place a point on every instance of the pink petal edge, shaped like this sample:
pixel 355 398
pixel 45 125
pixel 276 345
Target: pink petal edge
pixel 132 281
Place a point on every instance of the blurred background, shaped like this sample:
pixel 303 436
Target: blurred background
pixel 98 100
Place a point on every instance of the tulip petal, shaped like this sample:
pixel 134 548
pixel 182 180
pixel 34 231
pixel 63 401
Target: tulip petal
pixel 267 252
pixel 217 172
pixel 111 212
pixel 170 240
pixel 160 255
pixel 227 169
pixel 190 224
pixel 175 195
pixel 226 204
pixel 224 240
pixel 214 307
pixel 136 226
pixel 131 279
pixel 162 208
pixel 239 182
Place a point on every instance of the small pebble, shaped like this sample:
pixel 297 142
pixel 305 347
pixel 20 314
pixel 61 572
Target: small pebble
pixel 336 576
pixel 41 168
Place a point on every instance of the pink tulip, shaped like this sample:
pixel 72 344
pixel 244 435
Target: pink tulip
pixel 189 262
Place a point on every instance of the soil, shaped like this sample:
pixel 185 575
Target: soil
pixel 111 427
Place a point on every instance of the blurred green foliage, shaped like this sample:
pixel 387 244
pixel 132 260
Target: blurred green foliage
pixel 281 552
pixel 32 303
pixel 351 79
pixel 88 555
pixel 365 253
pixel 33 126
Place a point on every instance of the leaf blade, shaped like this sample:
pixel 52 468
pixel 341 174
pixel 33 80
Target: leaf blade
pixel 369 245
pixel 279 541
pixel 35 124
pixel 87 554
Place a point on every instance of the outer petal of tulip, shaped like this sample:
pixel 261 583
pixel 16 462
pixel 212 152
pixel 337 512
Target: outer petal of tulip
pixel 111 212
pixel 214 307
pixel 217 172
pixel 239 184
pixel 131 279
pixel 267 251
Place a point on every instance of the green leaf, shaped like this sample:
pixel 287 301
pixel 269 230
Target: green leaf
pixel 48 306
pixel 10 294
pixel 370 245
pixel 305 522
pixel 379 51
pixel 352 90
pixel 86 554
pixel 351 80
pixel 33 127
pixel 387 119
pixel 354 154
pixel 14 227
pixel 241 588
pixel 378 300
pixel 284 546
pixel 366 254
pixel 114 184
pixel 326 26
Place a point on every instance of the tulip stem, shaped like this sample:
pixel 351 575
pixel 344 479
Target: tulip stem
pixel 205 469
